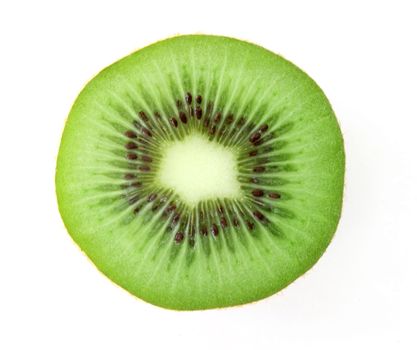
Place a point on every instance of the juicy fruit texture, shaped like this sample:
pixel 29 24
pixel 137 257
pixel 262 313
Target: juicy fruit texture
pixel 136 194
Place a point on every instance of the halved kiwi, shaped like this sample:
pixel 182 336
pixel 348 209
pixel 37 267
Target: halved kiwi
pixel 201 172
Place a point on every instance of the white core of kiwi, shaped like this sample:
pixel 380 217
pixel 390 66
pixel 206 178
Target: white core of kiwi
pixel 198 169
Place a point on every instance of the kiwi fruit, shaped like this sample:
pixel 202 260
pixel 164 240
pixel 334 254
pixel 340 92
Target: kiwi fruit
pixel 201 172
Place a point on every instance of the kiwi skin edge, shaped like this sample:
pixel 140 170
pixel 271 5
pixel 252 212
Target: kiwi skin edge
pixel 298 228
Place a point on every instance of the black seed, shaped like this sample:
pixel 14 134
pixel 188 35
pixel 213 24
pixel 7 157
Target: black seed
pixel 155 207
pixel 173 122
pixel 235 222
pixel 183 117
pixel 204 231
pixel 259 169
pixel 259 215
pixel 179 236
pixel 263 128
pixel 175 218
pixel 198 112
pixel 131 145
pixel 206 122
pixel 229 119
pixel 132 156
pixel 130 134
pixel 152 197
pixel 255 137
pixel 129 176
pixel 217 117
pixel 223 222
pixel 133 200
pixel 146 132
pixel 136 184
pixel 257 193
pixel 198 99
pixel 171 208
pixel 250 225
pixel 146 158
pixel 143 116
pixel 188 98
pixel 212 130
pixel 274 195
pixel 178 103
pixel 137 209
pixel 259 142
pixel 253 153
pixel 214 230
pixel 144 168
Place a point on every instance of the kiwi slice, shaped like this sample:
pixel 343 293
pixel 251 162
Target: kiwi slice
pixel 201 172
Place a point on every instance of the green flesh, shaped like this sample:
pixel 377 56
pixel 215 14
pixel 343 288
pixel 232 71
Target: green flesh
pixel 119 210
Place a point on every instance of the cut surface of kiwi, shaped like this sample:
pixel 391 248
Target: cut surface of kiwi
pixel 201 172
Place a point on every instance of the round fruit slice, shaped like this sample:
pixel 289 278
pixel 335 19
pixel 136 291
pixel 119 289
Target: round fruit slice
pixel 201 172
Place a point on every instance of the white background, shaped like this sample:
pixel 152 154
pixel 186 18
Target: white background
pixel 361 294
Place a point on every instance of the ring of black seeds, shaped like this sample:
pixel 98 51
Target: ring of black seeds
pixel 250 139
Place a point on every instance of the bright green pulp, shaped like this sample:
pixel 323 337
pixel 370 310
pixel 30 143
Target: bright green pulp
pixel 138 251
